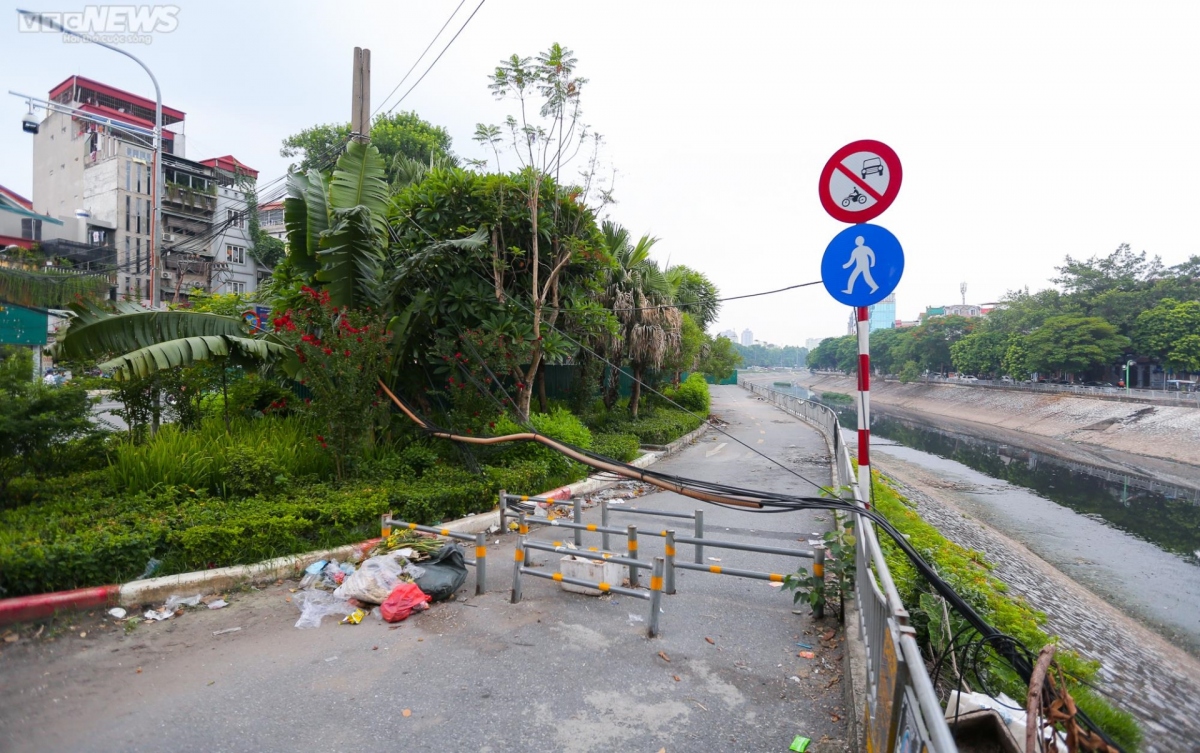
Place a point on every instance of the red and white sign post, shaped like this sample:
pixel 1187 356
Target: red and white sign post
pixel 858 183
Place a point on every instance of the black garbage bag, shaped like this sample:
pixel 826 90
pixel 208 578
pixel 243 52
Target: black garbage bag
pixel 444 573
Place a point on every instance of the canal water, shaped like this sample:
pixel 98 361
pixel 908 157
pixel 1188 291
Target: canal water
pixel 1130 539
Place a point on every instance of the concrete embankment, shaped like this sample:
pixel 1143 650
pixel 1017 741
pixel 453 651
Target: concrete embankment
pixel 1162 440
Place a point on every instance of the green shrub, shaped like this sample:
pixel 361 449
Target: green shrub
pixel 969 574
pixel 836 398
pixel 623 447
pixel 558 424
pixel 691 395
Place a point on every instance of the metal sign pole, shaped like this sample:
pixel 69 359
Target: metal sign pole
pixel 864 404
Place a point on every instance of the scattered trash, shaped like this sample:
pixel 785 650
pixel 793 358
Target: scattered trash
pixel 218 604
pixel 226 631
pixel 710 640
pixel 117 612
pixel 315 604
pixel 332 658
pixel 158 615
pixel 493 529
pixel 406 713
pixel 375 578
pixel 175 602
pixel 663 655
pixel 444 573
pixel 815 542
pixel 715 559
pixel 636 618
pixel 806 655
pixel 11 637
pixel 794 678
pixel 803 645
pixel 776 584
pixel 675 678
pixel 316 567
pixel 800 744
pixel 354 617
pixel 83 634
pixel 151 568
pixel 404 599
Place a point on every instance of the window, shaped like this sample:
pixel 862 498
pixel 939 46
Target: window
pixel 128 174
pixel 127 286
pixel 271 217
pixel 128 256
pixel 127 213
pixel 139 178
pixel 235 254
pixel 138 270
pixel 235 218
pixel 236 287
pixel 31 229
pixel 139 215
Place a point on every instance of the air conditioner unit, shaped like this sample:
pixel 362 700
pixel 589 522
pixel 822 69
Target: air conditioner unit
pixel 168 237
pixel 166 275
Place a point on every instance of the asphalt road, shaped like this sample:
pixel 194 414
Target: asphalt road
pixel 557 672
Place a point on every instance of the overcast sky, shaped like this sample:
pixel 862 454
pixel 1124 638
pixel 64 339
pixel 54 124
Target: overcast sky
pixel 1027 130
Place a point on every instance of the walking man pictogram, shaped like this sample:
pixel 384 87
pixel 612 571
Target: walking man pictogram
pixel 863 258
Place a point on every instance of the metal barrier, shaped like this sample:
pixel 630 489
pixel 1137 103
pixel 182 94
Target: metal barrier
pixel 900 696
pixel 386 524
pixel 654 595
pixel 697 516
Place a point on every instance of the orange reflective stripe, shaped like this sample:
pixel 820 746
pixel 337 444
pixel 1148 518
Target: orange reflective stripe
pixel 670 551
pixel 556 543
pixel 593 549
pixel 591 526
pixel 445 531
pixel 523 530
pixel 524 498
pixel 818 570
pixel 480 552
pixel 412 526
pixel 519 555
pixel 386 531
pixel 776 578
pixel 633 546
pixel 603 586
pixel 714 568
pixel 656 583
pixel 664 533
pixel 557 576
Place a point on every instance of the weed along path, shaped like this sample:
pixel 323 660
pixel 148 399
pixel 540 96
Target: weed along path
pixel 556 672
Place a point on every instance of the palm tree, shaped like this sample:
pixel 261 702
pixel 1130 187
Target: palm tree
pixel 639 295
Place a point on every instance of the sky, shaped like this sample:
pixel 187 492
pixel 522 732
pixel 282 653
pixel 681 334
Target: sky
pixel 1027 130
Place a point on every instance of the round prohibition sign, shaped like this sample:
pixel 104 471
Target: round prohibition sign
pixel 860 181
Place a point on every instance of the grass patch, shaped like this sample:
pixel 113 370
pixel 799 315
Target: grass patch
pixel 969 573
pixel 836 398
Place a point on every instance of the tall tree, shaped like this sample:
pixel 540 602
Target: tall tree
pixel 1073 345
pixel 694 294
pixel 546 135
pixel 1170 332
pixel 395 135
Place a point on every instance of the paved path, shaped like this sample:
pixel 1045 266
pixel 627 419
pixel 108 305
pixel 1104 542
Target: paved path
pixel 557 672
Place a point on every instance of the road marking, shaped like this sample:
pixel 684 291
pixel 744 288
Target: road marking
pixel 715 450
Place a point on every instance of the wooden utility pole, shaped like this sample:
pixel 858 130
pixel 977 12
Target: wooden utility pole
pixel 360 105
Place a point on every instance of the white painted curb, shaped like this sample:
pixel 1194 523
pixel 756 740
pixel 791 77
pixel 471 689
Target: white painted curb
pixel 156 590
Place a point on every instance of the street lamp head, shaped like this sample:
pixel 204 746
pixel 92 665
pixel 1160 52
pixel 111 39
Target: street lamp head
pixel 29 123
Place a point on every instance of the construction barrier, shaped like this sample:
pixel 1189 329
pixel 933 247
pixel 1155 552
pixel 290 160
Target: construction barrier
pixel 697 516
pixel 386 524
pixel 654 596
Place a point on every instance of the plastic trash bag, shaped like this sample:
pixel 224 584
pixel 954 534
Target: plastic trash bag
pixel 404 599
pixel 374 580
pixel 175 602
pixel 315 604
pixel 444 573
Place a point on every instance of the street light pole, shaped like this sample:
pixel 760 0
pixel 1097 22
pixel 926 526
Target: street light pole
pixel 1127 365
pixel 155 229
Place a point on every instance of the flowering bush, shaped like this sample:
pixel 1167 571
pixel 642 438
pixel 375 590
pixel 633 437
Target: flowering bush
pixel 343 354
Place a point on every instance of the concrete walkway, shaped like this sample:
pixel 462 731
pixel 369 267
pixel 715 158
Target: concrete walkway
pixel 557 672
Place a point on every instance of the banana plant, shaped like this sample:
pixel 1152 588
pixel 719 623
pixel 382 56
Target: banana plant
pixel 337 232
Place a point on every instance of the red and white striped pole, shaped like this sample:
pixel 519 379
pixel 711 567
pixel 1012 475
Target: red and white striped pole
pixel 864 404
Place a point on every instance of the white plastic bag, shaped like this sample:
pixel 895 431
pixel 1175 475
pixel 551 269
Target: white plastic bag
pixel 374 580
pixel 315 604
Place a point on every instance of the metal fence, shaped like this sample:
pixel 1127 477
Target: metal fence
pixel 1115 394
pixel 902 705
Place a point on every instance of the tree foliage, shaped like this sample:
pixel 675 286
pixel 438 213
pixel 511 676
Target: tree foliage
pixel 396 135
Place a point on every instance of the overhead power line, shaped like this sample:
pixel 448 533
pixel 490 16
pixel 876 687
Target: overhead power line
pixel 419 59
pixel 439 57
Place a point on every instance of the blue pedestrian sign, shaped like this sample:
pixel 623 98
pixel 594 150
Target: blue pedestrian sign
pixel 862 265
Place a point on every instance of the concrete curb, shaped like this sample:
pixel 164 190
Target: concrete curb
pixel 155 590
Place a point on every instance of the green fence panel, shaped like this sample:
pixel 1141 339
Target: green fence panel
pixel 22 326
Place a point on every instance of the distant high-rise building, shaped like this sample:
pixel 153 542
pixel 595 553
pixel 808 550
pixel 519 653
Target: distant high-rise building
pixel 883 314
pixel 812 342
pixel 730 334
pixel 747 338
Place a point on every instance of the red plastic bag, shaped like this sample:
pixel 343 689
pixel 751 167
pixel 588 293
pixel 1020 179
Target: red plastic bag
pixel 404 599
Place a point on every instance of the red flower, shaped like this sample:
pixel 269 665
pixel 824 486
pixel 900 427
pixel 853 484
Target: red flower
pixel 346 353
pixel 328 351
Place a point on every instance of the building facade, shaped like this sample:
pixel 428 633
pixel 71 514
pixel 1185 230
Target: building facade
pixel 102 175
pixel 747 338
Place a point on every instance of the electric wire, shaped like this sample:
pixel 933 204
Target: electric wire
pixel 439 57
pixel 419 58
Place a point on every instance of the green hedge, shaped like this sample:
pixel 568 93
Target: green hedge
pixel 623 447
pixel 970 575
pixel 692 394
pixel 95 537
